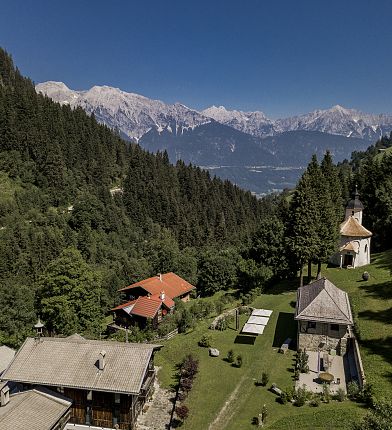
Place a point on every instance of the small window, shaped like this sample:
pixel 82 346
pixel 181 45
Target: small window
pixel 117 398
pixel 311 325
pixel 335 327
pixel 366 248
pixel 352 213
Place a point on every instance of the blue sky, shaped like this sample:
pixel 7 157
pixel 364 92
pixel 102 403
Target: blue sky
pixel 281 57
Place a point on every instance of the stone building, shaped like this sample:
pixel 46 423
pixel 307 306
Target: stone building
pixel 354 245
pixel 324 317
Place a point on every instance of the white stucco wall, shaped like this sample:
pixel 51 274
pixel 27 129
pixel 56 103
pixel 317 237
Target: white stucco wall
pixel 360 259
pixel 356 213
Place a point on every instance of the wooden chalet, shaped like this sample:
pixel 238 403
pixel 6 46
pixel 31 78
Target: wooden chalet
pixel 151 299
pixel 108 382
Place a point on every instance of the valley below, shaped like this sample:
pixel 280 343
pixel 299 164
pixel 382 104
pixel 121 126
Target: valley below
pixel 260 180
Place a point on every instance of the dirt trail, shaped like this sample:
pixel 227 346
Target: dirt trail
pixel 228 409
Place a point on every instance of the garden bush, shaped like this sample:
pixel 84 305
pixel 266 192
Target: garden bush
pixel 221 324
pixel 326 393
pixel 353 390
pixel 315 401
pixel 239 360
pixel 264 379
pixel 302 360
pixel 230 356
pixel 290 393
pixel 283 398
pixel 205 341
pixel 301 396
pixel 182 412
pixel 340 395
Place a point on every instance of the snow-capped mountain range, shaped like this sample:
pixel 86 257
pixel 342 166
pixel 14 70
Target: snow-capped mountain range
pixel 250 149
pixel 134 115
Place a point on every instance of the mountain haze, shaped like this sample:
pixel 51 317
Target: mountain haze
pixel 217 137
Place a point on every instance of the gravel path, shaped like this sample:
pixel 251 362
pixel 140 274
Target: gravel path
pixel 157 416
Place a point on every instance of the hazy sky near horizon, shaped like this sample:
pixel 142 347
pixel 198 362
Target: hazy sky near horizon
pixel 280 57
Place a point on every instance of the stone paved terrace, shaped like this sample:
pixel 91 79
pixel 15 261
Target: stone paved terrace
pixel 311 379
pixel 157 411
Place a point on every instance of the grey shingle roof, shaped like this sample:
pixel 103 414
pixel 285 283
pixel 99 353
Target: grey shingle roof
pixel 322 301
pixel 6 356
pixel 72 362
pixel 37 409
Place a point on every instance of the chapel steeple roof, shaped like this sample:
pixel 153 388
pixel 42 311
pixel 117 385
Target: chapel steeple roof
pixel 355 203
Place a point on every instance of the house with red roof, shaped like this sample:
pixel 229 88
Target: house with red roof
pixel 151 299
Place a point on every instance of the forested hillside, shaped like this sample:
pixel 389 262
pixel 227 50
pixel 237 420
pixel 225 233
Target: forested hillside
pixel 67 243
pixel 57 166
pixel 372 171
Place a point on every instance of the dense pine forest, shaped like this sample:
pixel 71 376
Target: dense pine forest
pixel 60 223
pixel 67 243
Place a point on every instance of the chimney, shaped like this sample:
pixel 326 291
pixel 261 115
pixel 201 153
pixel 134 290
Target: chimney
pixel 4 395
pixel 101 360
pixel 162 295
pixel 160 276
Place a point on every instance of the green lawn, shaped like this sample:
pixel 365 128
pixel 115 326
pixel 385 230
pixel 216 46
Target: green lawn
pixel 218 382
pixel 372 300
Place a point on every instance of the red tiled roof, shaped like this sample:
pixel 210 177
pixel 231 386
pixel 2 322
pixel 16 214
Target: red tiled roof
pixel 146 306
pixel 171 283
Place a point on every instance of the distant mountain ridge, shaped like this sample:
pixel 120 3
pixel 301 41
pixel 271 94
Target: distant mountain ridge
pixel 134 115
pixel 233 141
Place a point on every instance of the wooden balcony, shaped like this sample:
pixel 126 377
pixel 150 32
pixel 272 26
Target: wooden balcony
pixel 148 384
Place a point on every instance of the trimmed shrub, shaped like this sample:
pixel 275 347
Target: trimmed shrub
pixel 353 390
pixel 315 401
pixel 264 379
pixel 340 395
pixel 326 393
pixel 182 412
pixel 301 396
pixel 239 360
pixel 205 341
pixel 290 393
pixel 230 356
pixel 302 360
pixel 283 398
pixel 221 324
pixel 366 395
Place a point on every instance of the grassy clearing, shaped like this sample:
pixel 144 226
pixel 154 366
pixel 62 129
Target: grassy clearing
pixel 217 379
pixel 372 300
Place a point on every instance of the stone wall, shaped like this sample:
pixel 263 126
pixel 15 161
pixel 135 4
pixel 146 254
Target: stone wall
pixel 322 337
pixel 230 312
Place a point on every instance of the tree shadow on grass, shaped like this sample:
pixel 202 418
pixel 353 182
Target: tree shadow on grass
pixel 284 286
pixel 381 347
pixel 382 290
pixel 286 327
pixel 245 339
pixel 383 260
pixel 384 316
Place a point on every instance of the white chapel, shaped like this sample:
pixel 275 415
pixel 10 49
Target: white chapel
pixel 354 246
